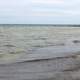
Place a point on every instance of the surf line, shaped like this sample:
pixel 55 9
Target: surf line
pixel 48 59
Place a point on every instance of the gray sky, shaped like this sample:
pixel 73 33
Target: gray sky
pixel 40 11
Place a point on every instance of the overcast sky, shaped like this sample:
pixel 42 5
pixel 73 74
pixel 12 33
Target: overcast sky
pixel 40 11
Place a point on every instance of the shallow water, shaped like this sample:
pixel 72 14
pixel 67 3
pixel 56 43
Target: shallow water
pixel 18 42
pixel 27 53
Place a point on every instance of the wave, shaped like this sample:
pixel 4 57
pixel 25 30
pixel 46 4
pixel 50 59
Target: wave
pixel 48 59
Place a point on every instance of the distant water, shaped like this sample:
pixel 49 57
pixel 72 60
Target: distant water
pixel 39 52
pixel 19 41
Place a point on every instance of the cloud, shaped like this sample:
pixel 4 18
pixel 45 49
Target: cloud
pixel 56 7
pixel 55 13
pixel 14 8
pixel 47 1
pixel 14 2
pixel 45 14
pixel 37 10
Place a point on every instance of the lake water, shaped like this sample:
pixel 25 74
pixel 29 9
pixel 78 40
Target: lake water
pixel 24 43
